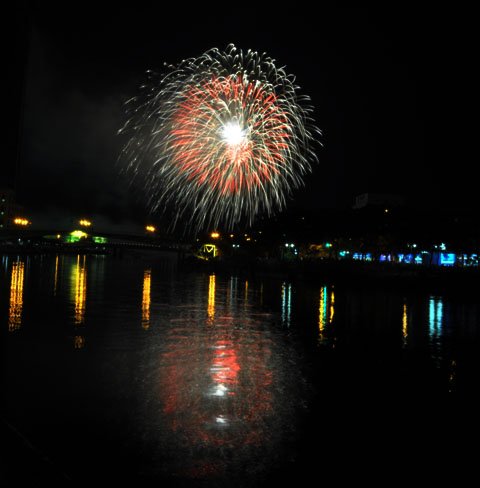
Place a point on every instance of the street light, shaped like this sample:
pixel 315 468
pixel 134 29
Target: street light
pixel 21 221
pixel 214 235
pixel 150 228
pixel 85 223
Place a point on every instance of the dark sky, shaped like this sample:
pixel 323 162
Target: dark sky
pixel 382 83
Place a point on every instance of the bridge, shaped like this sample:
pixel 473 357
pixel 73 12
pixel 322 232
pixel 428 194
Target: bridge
pixel 16 240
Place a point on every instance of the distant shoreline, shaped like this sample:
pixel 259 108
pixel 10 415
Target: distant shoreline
pixel 417 277
pixel 355 273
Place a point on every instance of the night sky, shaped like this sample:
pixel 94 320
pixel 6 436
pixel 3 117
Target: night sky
pixel 386 85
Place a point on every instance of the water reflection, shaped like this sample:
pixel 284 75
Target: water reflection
pixel 224 369
pixel 405 324
pixel 232 290
pixel 55 276
pixel 79 342
pixel 220 385
pixel 211 298
pixel 79 288
pixel 214 389
pixel 326 311
pixel 16 295
pixel 147 283
pixel 286 304
pixel 435 326
pixel 5 263
pixel 332 306
pixel 452 375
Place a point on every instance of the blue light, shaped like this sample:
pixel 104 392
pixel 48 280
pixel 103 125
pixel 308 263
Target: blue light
pixel 435 317
pixel 418 259
pixel 447 259
pixel 383 258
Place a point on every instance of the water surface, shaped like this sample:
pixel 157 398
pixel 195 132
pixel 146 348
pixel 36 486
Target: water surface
pixel 134 369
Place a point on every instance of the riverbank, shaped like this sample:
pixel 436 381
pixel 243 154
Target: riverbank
pixel 435 279
pixel 352 272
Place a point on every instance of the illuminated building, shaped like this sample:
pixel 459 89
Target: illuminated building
pixel 75 236
pixel 207 251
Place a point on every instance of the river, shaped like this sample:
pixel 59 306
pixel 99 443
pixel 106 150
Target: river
pixel 136 369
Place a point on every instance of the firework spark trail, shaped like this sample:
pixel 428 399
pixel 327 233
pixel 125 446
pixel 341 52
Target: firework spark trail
pixel 222 138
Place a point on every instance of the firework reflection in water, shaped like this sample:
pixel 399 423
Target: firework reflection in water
pixel 224 392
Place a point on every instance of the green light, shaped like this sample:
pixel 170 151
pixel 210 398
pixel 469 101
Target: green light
pixel 99 240
pixel 71 239
pixel 328 244
pixel 78 233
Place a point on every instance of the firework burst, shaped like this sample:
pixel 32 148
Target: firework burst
pixel 222 138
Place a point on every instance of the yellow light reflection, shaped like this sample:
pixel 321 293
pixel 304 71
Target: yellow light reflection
pixel 405 324
pixel 332 307
pixel 16 296
pixel 55 276
pixel 322 311
pixel 147 283
pixel 211 298
pixel 79 342
pixel 326 311
pixel 80 289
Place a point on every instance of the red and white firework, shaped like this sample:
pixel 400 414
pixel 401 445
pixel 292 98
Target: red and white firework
pixel 222 137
